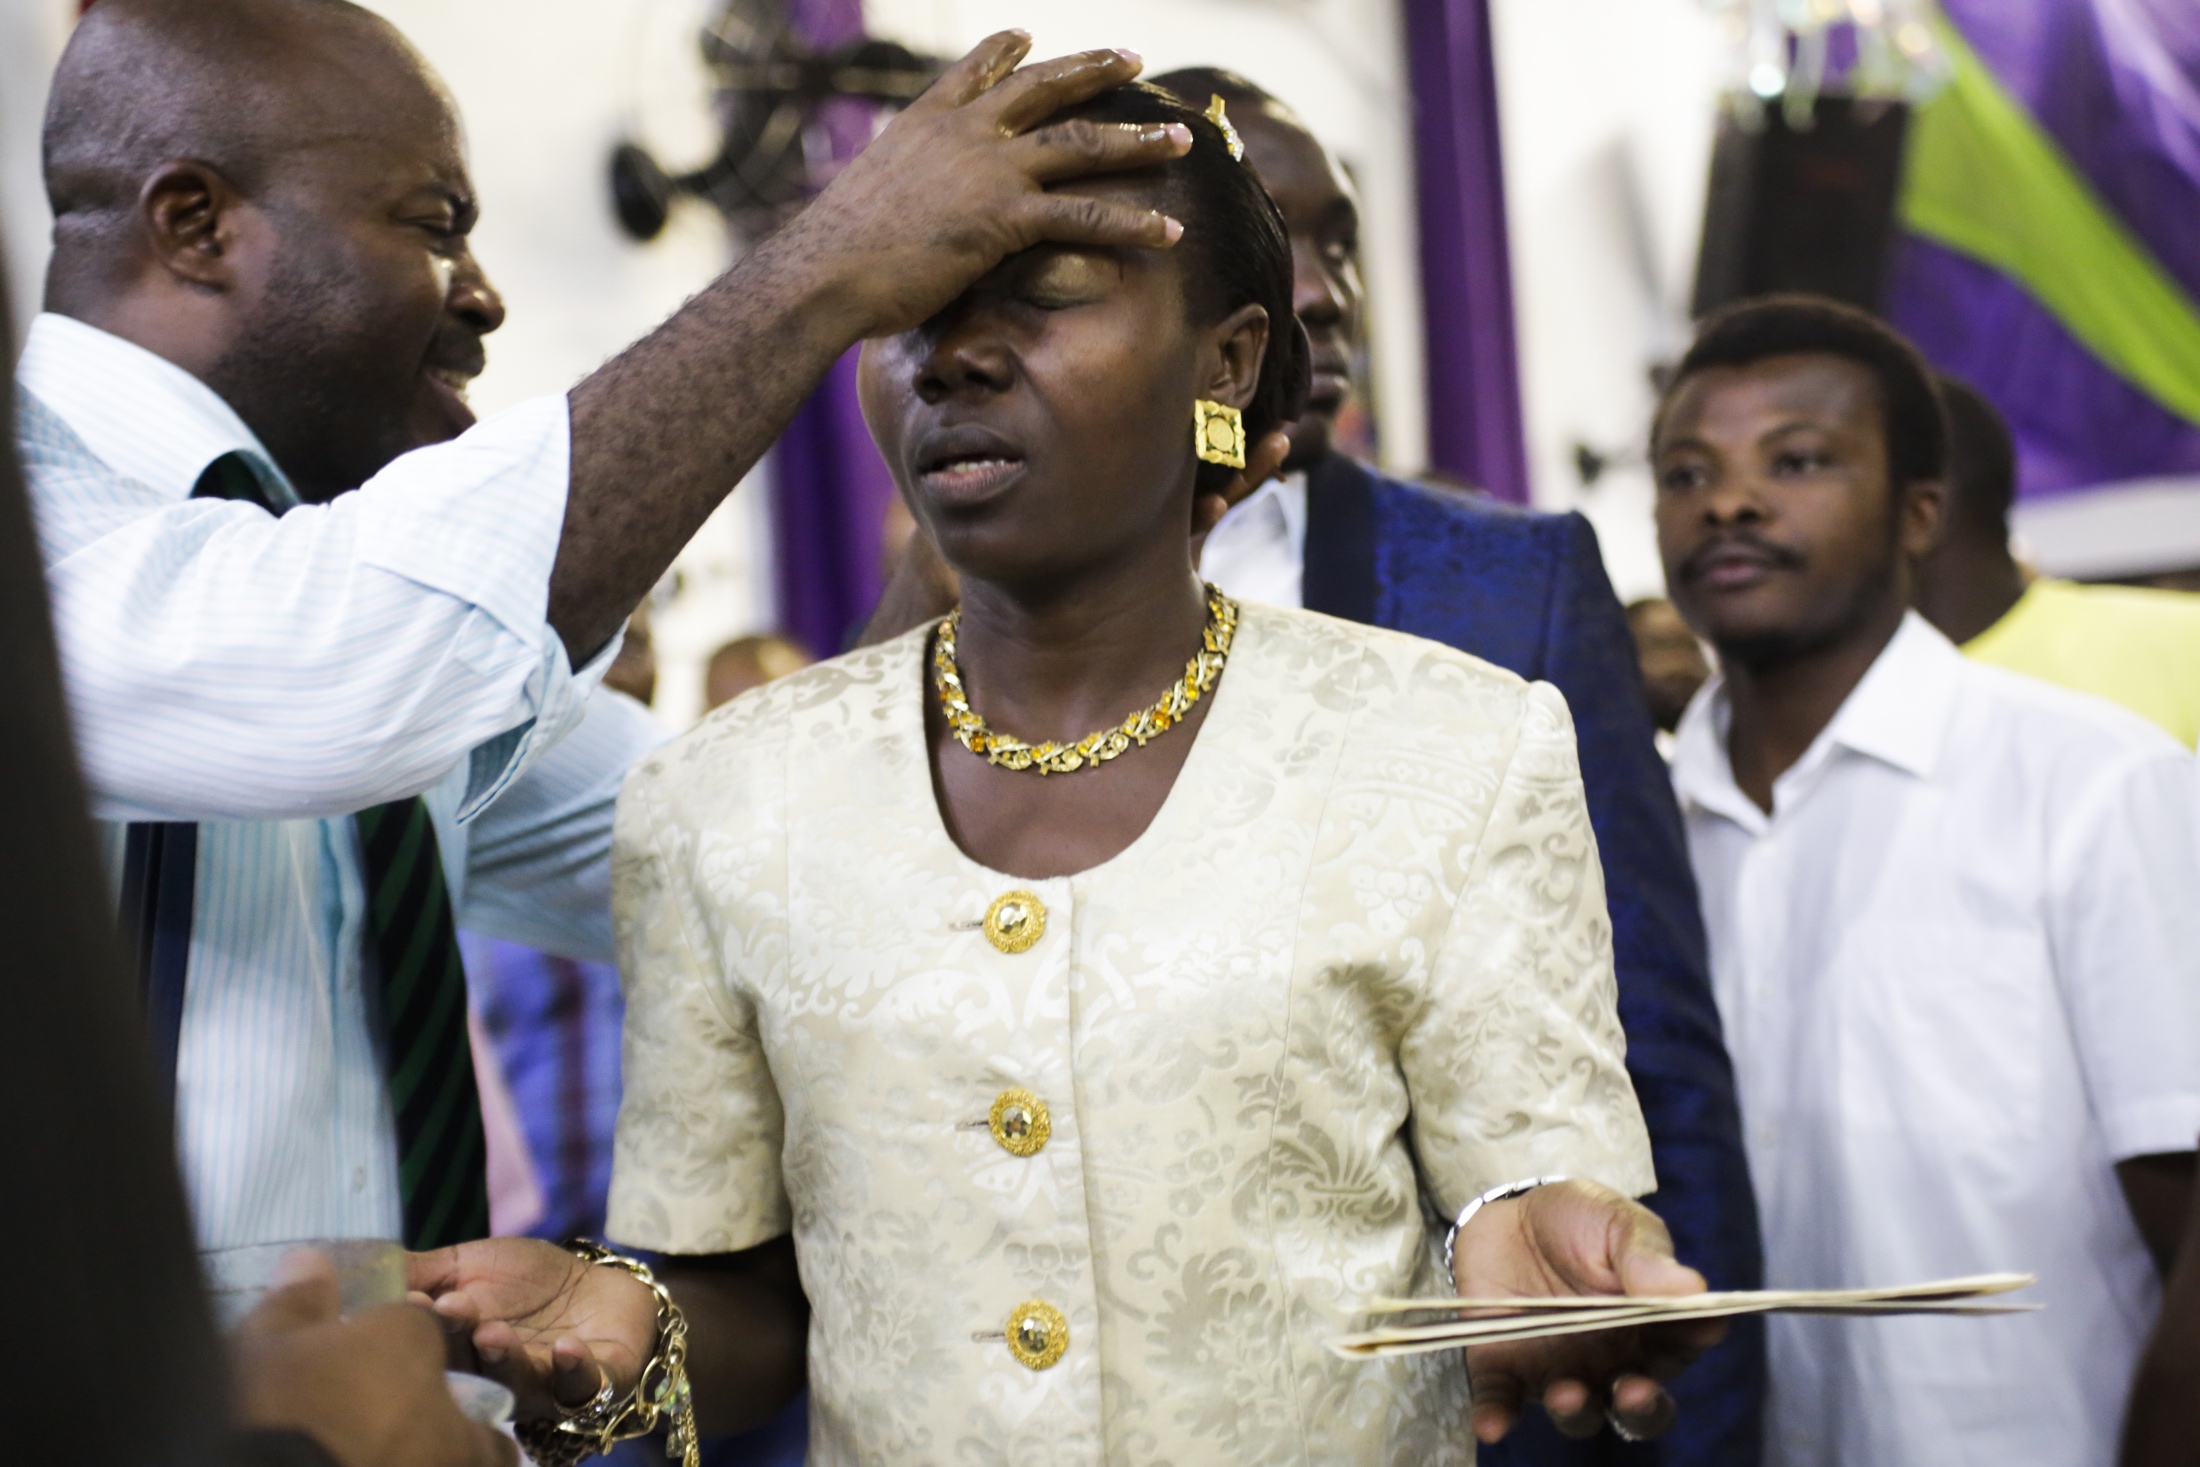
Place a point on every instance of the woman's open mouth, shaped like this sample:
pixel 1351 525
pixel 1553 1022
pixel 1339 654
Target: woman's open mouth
pixel 967 463
pixel 969 478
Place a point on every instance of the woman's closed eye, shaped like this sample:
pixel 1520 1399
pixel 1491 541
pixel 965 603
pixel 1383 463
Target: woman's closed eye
pixel 1059 280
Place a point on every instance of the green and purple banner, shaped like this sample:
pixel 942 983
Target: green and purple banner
pixel 2051 256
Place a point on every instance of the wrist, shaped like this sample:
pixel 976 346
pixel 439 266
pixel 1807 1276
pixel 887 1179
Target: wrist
pixel 1504 1193
pixel 828 288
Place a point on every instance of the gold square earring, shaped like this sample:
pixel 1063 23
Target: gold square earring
pixel 1218 433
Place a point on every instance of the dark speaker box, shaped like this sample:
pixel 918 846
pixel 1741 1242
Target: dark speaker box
pixel 1808 209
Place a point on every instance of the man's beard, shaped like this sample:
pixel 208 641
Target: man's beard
pixel 329 401
pixel 1773 649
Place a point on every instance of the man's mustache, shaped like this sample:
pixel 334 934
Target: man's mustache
pixel 1746 541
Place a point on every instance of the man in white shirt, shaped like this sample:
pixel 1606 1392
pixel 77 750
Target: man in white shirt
pixel 323 725
pixel 1951 914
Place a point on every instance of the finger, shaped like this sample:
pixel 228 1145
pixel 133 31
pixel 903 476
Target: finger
pixel 1644 1270
pixel 310 1297
pixel 1044 88
pixel 1074 219
pixel 1207 512
pixel 979 71
pixel 1642 1407
pixel 1079 148
pixel 575 1375
pixel 1573 1409
pixel 433 1273
pixel 1497 1397
pixel 1261 465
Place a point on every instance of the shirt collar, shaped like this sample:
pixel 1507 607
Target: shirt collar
pixel 1276 507
pixel 1898 714
pixel 144 416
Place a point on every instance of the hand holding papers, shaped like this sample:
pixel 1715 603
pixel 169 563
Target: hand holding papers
pixel 1500 1320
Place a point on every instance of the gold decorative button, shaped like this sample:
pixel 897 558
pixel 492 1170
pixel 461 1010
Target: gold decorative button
pixel 1015 921
pixel 1020 1122
pixel 1037 1335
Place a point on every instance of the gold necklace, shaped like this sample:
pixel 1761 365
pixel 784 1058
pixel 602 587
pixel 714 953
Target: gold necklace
pixel 1094 748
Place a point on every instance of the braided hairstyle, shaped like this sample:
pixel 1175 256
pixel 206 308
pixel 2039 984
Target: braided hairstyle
pixel 1235 252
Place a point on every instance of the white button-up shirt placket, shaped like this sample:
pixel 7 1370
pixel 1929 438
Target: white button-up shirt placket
pixel 1959 969
pixel 267 677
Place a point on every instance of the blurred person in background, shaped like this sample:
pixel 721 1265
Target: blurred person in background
pixel 634 671
pixel 2131 645
pixel 1528 592
pixel 1673 664
pixel 1951 915
pixel 334 696
pixel 749 662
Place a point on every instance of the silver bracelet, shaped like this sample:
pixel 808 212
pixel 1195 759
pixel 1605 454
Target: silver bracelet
pixel 1495 1194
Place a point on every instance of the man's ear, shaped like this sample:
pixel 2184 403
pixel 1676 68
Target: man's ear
pixel 187 215
pixel 1924 510
pixel 1242 341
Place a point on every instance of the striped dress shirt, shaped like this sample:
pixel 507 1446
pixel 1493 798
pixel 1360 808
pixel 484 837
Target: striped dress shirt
pixel 268 677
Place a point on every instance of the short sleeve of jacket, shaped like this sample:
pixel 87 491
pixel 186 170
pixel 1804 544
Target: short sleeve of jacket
pixel 1516 1063
pixel 2125 924
pixel 696 1164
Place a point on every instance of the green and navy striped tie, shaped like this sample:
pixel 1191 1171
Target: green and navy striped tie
pixel 413 939
pixel 411 932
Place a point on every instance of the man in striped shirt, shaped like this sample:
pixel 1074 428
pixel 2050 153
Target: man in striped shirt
pixel 334 696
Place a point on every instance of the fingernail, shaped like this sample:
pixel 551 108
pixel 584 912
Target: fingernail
pixel 1131 56
pixel 1171 230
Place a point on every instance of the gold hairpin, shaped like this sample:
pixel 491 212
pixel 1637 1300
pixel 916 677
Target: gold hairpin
pixel 1219 115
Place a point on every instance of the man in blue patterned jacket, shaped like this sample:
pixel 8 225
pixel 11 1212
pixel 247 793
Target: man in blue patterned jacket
pixel 1528 592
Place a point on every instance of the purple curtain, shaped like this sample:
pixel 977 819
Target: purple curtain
pixel 1474 423
pixel 2116 84
pixel 829 489
pixel 829 496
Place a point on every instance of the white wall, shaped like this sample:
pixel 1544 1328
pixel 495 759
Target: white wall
pixel 546 87
pixel 1607 110
pixel 1338 63
pixel 31 35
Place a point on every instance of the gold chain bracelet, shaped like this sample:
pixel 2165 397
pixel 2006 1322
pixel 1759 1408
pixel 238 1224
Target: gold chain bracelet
pixel 660 1391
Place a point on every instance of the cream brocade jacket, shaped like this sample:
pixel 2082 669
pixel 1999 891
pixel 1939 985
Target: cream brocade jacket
pixel 1357 971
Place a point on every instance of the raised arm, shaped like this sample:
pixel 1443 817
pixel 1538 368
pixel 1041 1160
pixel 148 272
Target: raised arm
pixel 953 185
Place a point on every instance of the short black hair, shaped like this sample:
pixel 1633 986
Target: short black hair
pixel 1798 325
pixel 1982 462
pixel 1235 251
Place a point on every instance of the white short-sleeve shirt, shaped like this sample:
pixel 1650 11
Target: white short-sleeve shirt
pixel 1959 969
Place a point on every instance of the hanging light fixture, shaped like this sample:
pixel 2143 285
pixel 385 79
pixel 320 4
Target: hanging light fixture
pixel 1792 52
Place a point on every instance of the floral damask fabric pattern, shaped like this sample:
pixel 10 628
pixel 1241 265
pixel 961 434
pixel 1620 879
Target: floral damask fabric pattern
pixel 1356 971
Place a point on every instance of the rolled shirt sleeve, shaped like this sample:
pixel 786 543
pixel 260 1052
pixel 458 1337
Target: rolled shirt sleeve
pixel 538 858
pixel 226 664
